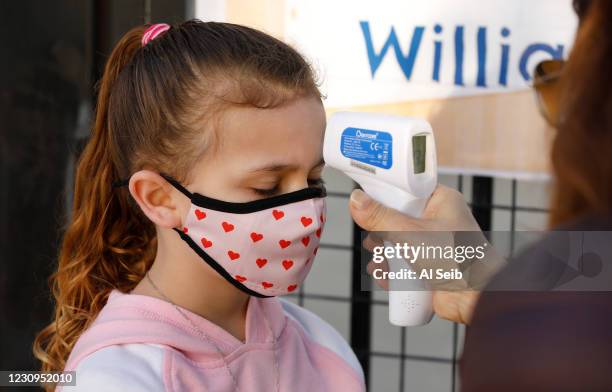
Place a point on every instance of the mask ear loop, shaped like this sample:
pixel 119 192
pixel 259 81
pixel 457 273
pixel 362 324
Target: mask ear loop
pixel 177 185
pixel 120 183
pixel 181 189
pixel 172 181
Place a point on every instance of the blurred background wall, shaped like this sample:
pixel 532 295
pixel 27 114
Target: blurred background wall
pixel 46 82
pixel 52 54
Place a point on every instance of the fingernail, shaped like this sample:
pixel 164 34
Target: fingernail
pixel 360 199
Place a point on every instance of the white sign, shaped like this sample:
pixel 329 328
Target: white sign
pixel 384 51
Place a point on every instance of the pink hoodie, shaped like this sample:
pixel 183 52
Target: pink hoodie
pixel 141 343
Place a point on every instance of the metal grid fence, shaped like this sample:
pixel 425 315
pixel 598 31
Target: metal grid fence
pixel 396 365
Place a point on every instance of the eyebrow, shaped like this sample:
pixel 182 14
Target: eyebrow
pixel 279 167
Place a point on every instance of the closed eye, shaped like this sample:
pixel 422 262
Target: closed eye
pixel 317 182
pixel 266 192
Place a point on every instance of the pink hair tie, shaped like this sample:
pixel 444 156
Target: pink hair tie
pixel 153 31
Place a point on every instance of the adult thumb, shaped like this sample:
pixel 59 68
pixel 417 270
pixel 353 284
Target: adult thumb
pixel 373 216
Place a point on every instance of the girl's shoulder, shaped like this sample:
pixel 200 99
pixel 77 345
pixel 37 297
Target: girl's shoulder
pixel 322 333
pixel 135 367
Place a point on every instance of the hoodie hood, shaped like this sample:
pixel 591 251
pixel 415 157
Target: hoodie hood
pixel 134 318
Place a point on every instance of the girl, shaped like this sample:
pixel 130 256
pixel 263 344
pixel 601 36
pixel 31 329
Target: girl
pixel 198 200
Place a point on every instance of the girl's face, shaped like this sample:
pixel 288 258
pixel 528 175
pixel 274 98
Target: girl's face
pixel 258 153
pixel 261 153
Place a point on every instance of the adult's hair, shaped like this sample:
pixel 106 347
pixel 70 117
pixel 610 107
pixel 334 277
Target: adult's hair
pixel 582 149
pixel 581 7
pixel 156 108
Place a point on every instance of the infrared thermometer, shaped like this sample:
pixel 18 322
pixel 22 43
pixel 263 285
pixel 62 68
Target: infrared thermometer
pixel 393 159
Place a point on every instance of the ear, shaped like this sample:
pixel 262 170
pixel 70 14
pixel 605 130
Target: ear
pixel 157 199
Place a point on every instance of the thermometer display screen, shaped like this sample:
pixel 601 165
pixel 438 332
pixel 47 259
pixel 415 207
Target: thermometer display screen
pixel 418 153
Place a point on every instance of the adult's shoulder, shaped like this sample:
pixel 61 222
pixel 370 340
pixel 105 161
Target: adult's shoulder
pixel 576 256
pixel 539 323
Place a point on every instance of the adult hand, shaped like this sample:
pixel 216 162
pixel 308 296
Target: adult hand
pixel 446 210
pixel 457 306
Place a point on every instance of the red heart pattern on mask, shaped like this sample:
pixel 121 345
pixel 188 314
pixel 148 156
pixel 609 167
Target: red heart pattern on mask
pixel 206 243
pixel 200 214
pixel 227 226
pixel 276 270
pixel 261 262
pixel 287 264
pixel 306 221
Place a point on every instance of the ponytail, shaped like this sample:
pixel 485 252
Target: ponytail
pixel 105 246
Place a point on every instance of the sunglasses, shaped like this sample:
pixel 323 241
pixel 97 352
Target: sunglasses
pixel 546 86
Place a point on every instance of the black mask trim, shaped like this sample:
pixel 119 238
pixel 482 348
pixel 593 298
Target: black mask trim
pixel 210 261
pixel 251 206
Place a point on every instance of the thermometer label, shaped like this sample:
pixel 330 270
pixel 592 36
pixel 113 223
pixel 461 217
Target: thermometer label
pixel 368 146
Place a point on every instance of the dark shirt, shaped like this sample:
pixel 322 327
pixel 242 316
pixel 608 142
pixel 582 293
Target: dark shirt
pixel 536 339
